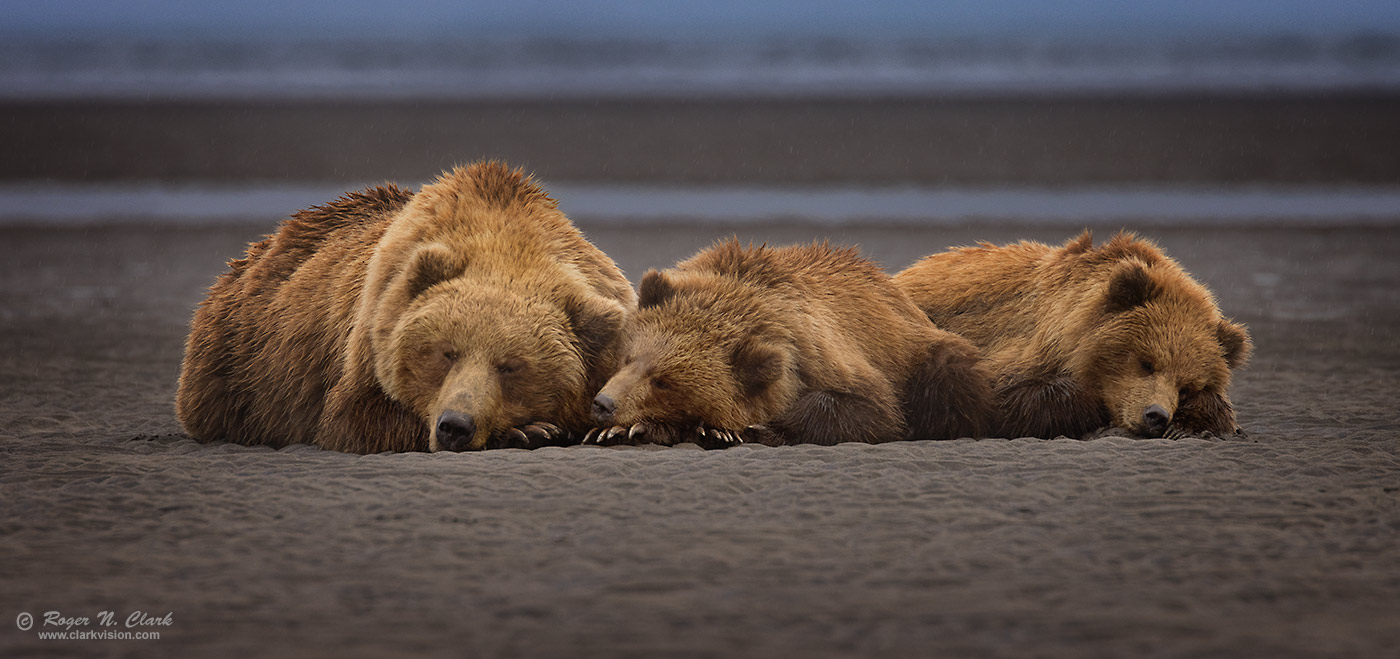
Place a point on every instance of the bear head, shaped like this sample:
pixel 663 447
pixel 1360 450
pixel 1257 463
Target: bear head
pixel 1157 345
pixel 700 350
pixel 474 359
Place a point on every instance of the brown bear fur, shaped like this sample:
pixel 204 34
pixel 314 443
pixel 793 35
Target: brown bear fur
pixel 1082 337
pixel 809 344
pixel 359 323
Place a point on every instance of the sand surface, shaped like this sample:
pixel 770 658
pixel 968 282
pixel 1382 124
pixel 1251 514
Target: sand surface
pixel 1284 544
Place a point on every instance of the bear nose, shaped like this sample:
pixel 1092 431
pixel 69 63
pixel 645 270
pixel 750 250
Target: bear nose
pixel 1155 419
pixel 603 408
pixel 455 431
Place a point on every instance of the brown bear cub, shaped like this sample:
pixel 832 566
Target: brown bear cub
pixel 1080 338
pixel 470 315
pixel 789 345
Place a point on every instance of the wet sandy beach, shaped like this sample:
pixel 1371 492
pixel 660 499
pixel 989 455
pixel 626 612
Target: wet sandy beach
pixel 1279 545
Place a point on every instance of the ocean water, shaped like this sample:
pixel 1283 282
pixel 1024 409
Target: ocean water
pixel 541 68
pixel 544 68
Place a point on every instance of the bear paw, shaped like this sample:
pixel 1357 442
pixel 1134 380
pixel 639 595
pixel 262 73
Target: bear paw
pixel 1109 431
pixel 645 433
pixel 715 438
pixel 534 435
pixel 760 434
pixel 1176 433
pixel 618 435
pixel 1173 432
pixel 1179 432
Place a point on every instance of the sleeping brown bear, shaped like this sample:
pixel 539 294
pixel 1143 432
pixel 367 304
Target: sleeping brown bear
pixel 788 345
pixel 469 315
pixel 1082 337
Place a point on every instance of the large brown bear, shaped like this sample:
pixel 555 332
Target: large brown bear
pixel 469 315
pixel 1082 337
pixel 790 345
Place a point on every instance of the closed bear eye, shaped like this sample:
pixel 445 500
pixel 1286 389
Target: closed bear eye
pixel 1148 367
pixel 509 366
pixel 661 383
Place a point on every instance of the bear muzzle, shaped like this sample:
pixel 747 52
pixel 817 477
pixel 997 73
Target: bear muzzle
pixel 455 431
pixel 1154 420
pixel 604 407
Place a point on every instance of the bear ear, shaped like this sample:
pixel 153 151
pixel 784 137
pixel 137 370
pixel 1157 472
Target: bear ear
pixel 431 265
pixel 1129 287
pixel 757 365
pixel 597 324
pixel 1234 339
pixel 656 288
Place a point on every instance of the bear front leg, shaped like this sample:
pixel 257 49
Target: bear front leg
pixel 1047 406
pixel 949 394
pixel 1201 412
pixel 831 417
pixel 359 419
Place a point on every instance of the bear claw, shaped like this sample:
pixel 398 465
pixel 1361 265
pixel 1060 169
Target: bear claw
pixel 715 438
pixel 1179 432
pixel 515 438
pixel 541 433
pixel 603 436
pixel 1109 431
pixel 607 436
pixel 640 433
pixel 614 435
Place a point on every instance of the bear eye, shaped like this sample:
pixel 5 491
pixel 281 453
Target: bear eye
pixel 1148 367
pixel 450 355
pixel 509 366
pixel 661 383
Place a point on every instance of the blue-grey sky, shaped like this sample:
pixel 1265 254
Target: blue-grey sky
pixel 661 19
